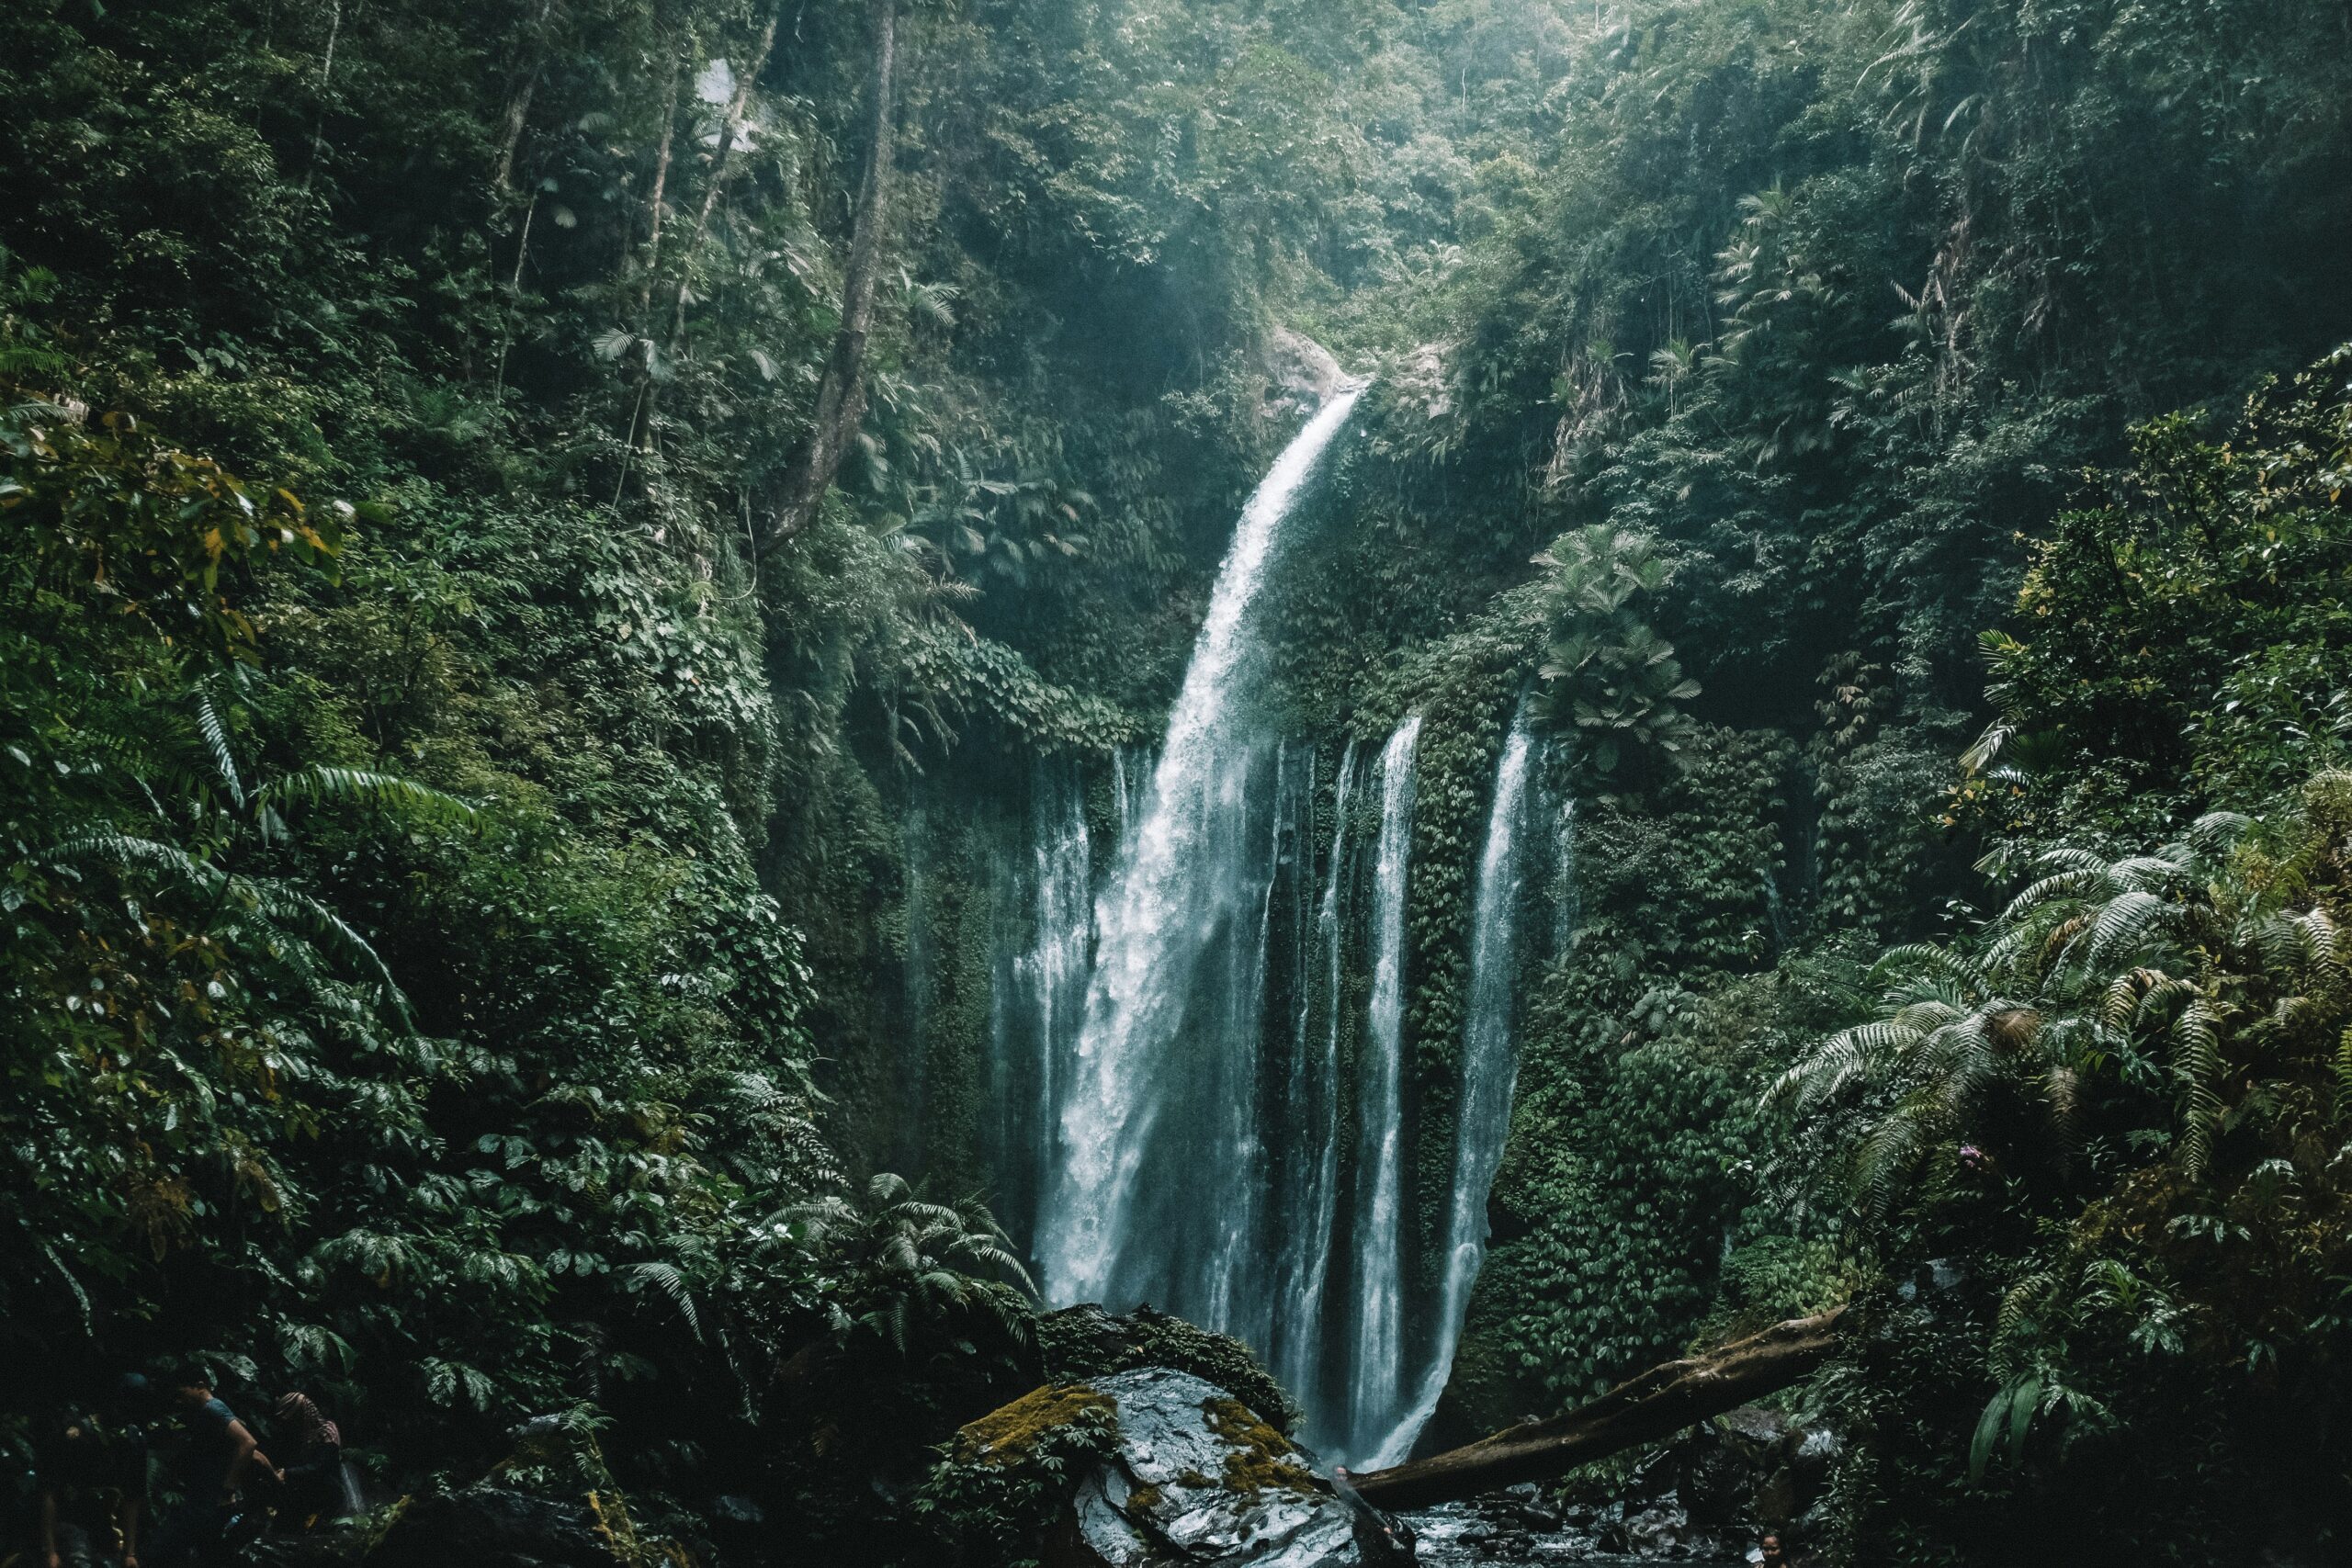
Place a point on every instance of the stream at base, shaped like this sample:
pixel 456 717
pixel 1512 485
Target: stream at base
pixel 1515 1526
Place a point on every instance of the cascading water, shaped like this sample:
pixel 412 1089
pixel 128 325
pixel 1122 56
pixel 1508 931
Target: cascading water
pixel 1183 1104
pixel 1379 1340
pixel 1297 1358
pixel 1155 1193
pixel 1489 1066
pixel 1040 984
pixel 1568 903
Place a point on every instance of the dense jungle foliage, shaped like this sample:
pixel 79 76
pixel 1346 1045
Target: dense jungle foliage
pixel 493 884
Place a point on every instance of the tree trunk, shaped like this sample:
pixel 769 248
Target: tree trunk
pixel 518 104
pixel 841 396
pixel 660 194
pixel 1654 1404
pixel 721 167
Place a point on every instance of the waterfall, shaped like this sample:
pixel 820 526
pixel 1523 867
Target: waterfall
pixel 1156 1190
pixel 1490 1067
pixel 918 993
pixel 1042 904
pixel 1307 1253
pixel 1378 1346
pixel 1567 909
pixel 1053 974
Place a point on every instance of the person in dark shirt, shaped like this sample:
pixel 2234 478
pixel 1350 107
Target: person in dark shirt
pixel 218 1455
pixel 92 1469
pixel 312 1479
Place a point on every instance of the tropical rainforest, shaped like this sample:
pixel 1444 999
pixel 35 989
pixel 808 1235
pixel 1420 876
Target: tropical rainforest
pixel 607 604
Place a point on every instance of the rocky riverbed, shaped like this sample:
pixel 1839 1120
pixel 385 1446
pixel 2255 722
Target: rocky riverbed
pixel 1519 1527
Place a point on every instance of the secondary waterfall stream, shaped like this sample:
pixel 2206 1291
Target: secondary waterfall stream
pixel 1488 1066
pixel 1377 1353
pixel 1199 1090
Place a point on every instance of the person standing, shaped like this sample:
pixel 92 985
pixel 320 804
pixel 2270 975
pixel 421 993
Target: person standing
pixel 314 1478
pixel 218 1455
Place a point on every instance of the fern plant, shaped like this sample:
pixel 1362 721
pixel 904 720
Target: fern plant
pixel 912 1272
pixel 2196 959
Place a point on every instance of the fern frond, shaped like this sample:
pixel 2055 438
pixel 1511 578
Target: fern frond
pixel 2197 1061
pixel 2216 831
pixel 2125 920
pixel 674 1285
pixel 216 739
pixel 2147 872
pixel 128 849
pixel 381 792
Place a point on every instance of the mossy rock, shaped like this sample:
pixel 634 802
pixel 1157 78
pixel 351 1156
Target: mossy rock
pixel 1143 1467
pixel 1087 1343
pixel 1013 1433
pixel 1200 1478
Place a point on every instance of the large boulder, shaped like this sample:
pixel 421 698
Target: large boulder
pixel 1177 1474
pixel 1085 1344
pixel 1298 365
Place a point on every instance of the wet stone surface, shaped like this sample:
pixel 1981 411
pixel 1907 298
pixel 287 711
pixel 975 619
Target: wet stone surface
pixel 1519 1527
pixel 1199 1479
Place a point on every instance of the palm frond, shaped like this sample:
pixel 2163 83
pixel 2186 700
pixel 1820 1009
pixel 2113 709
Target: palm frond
pixel 128 849
pixel 293 907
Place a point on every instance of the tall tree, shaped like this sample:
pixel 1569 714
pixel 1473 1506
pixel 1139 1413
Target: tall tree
pixel 841 396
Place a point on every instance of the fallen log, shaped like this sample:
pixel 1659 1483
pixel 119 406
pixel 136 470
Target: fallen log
pixel 1656 1403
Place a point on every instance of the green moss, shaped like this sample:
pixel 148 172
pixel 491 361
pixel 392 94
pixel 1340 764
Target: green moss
pixel 1006 1476
pixel 1010 1435
pixel 1086 1342
pixel 1260 1457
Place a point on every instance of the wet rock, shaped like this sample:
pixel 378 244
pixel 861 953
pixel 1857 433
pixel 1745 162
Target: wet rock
pixel 1657 1531
pixel 1775 1504
pixel 1197 1479
pixel 1298 365
pixel 1936 1278
pixel 1085 1344
pixel 737 1525
pixel 1718 1478
pixel 1525 1506
pixel 1753 1428
pixel 329 1546
pixel 488 1527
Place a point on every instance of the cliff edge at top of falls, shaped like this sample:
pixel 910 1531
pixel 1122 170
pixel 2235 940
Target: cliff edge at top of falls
pixel 1180 1473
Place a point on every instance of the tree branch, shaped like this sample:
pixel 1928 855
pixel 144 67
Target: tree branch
pixel 1643 1409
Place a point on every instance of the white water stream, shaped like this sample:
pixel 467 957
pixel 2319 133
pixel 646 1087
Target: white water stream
pixel 1156 1169
pixel 1198 1033
pixel 1377 1354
